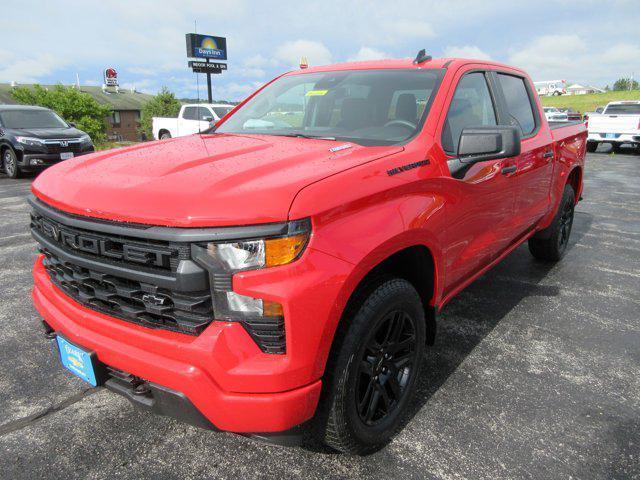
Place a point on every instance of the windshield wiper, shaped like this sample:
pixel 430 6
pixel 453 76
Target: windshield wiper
pixel 303 135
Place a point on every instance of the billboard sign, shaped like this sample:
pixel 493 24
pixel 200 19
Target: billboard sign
pixel 206 46
pixel 204 67
pixel 110 77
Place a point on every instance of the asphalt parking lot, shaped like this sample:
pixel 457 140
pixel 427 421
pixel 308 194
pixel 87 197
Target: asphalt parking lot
pixel 535 374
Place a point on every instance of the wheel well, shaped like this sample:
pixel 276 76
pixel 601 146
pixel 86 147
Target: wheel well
pixel 575 180
pixel 161 131
pixel 414 264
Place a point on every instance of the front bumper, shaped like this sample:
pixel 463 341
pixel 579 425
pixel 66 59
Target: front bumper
pixel 37 161
pixel 192 366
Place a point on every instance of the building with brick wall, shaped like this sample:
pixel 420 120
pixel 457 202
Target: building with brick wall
pixel 126 106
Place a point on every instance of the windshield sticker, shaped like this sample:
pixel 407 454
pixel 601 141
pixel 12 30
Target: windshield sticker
pixel 316 93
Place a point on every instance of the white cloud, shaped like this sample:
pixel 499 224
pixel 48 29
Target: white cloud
pixel 410 29
pixel 28 70
pixel 291 52
pixel 368 53
pixel 572 58
pixel 466 51
pixel 260 61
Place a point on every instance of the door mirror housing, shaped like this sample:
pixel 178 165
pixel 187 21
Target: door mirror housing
pixel 479 144
pixel 208 118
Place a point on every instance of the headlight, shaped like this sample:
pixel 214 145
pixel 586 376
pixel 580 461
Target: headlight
pixel 224 259
pixel 85 139
pixel 30 141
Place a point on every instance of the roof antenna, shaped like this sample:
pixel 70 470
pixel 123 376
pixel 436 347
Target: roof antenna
pixel 195 30
pixel 421 57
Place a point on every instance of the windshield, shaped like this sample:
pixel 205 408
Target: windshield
pixel 370 107
pixel 221 111
pixel 624 109
pixel 31 119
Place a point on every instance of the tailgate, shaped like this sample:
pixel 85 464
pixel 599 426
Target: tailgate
pixel 614 124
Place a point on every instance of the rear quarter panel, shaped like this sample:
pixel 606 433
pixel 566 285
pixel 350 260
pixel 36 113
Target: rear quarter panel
pixel 569 145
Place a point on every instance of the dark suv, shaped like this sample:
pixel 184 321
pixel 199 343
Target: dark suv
pixel 33 138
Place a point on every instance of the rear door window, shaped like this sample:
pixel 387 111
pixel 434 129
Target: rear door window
pixel 518 101
pixel 190 113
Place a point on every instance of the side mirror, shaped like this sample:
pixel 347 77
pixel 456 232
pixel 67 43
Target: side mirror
pixel 72 125
pixel 207 118
pixel 488 143
pixel 479 144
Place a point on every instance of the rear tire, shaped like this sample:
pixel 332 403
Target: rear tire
pixel 165 135
pixel 10 163
pixel 592 146
pixel 616 147
pixel 551 243
pixel 372 373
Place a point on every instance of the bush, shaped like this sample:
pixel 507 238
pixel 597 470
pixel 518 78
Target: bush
pixel 164 104
pixel 71 104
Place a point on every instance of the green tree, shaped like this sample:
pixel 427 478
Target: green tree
pixel 71 104
pixel 164 104
pixel 624 83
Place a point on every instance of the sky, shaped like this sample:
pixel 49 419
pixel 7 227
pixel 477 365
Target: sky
pixel 50 41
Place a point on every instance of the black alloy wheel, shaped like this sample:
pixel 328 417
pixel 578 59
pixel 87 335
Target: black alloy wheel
pixel 386 364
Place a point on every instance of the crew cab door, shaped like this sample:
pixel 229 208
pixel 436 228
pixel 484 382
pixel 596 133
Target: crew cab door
pixel 480 211
pixel 535 163
pixel 185 120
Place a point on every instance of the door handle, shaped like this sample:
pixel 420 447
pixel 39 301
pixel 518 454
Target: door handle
pixel 548 154
pixel 509 169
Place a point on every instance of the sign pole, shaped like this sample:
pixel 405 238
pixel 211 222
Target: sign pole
pixel 209 85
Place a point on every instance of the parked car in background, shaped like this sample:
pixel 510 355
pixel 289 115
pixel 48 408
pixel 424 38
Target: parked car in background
pixel 33 138
pixel 551 87
pixel 618 124
pixel 281 272
pixel 554 115
pixel 193 118
pixel 572 115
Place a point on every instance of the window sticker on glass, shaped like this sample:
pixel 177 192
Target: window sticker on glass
pixel 316 93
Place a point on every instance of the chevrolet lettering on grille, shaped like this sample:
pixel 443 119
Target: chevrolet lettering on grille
pixel 105 247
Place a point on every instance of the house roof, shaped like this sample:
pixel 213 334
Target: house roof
pixel 123 100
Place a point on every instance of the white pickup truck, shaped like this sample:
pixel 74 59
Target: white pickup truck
pixel 619 123
pixel 193 118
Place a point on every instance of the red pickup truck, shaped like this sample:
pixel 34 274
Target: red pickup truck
pixel 281 273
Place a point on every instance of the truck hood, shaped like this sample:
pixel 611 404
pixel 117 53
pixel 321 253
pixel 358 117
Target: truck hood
pixel 199 180
pixel 48 133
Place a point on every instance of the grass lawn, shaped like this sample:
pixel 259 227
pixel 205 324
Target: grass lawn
pixel 588 103
pixel 109 145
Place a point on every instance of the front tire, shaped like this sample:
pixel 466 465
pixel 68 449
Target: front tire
pixel 372 373
pixel 551 243
pixel 10 164
pixel 165 135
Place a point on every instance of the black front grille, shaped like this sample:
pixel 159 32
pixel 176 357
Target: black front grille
pixel 113 249
pixel 131 300
pixel 56 147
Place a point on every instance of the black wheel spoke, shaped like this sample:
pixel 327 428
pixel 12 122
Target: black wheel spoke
pixel 365 399
pixel 372 405
pixel 402 361
pixel 394 385
pixel 403 345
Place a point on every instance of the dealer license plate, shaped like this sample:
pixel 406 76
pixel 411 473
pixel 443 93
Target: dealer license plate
pixel 77 360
